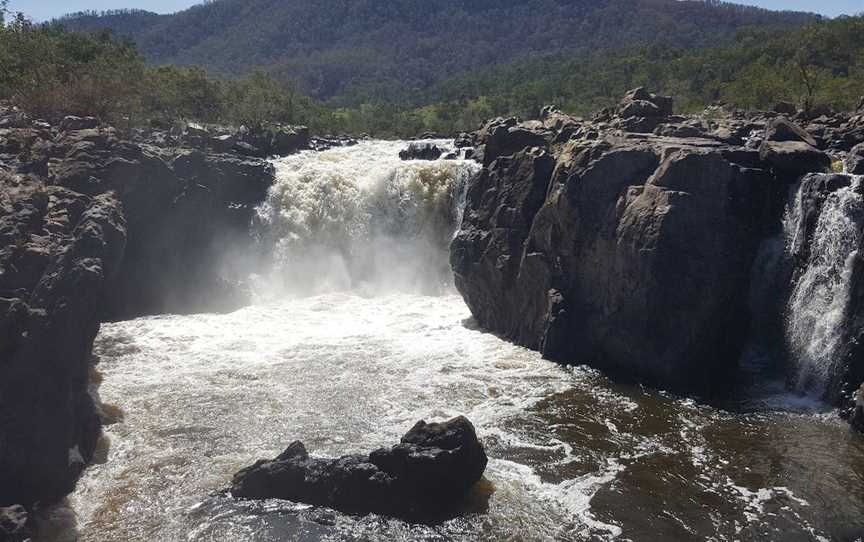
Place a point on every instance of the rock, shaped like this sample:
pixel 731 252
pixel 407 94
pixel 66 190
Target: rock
pixel 794 158
pixel 819 110
pixel 641 103
pixel 855 160
pixel 641 111
pixel 288 140
pixel 223 143
pixel 781 130
pixel 502 137
pixel 463 140
pixel 430 471
pixel 13 524
pixel 78 123
pixel 73 243
pixel 247 149
pixel 114 228
pixel 421 151
pixel 785 108
pixel 856 420
pixel 791 150
pixel 634 255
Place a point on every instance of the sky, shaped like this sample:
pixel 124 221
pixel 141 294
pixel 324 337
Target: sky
pixel 41 10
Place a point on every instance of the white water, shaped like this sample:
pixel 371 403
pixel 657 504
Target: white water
pixel 360 218
pixel 347 359
pixel 819 300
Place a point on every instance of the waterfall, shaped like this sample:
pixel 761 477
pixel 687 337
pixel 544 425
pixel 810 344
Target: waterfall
pixel 817 304
pixel 359 217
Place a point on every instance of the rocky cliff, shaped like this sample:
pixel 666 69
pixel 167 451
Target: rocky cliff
pixel 94 225
pixel 628 241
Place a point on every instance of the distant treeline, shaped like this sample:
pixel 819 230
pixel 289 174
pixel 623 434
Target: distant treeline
pixel 819 65
pixel 52 72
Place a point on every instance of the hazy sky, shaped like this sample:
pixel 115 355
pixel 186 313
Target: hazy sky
pixel 46 9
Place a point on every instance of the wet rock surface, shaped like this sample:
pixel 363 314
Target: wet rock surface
pixel 429 472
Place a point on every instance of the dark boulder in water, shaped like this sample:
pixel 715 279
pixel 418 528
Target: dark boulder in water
pixel 421 151
pixel 430 471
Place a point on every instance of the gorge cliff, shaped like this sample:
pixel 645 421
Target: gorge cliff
pixel 630 242
pixel 97 225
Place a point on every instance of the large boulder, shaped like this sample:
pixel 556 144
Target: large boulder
pixel 289 139
pixel 421 151
pixel 633 255
pixel 641 103
pixel 855 160
pixel 641 111
pixel 792 151
pixel 431 470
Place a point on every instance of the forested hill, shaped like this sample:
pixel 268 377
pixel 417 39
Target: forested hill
pixel 348 51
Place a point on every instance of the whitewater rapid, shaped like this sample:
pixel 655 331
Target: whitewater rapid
pixel 352 359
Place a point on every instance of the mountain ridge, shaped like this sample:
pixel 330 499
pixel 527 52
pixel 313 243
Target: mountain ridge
pixel 344 52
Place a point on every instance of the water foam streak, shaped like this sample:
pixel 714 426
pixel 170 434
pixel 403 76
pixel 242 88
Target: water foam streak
pixel 817 305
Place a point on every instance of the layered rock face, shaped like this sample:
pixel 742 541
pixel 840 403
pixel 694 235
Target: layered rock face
pixel 60 248
pixel 94 225
pixel 626 250
pixel 429 471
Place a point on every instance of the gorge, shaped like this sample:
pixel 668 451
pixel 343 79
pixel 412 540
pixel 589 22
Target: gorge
pixel 245 303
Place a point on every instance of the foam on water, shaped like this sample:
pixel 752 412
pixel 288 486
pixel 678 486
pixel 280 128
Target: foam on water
pixel 364 351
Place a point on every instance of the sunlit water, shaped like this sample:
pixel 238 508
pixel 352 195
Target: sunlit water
pixel 572 455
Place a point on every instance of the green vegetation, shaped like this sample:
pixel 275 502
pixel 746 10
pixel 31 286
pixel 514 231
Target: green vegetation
pixel 51 72
pixel 821 64
pixel 351 52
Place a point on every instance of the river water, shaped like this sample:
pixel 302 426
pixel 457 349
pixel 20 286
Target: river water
pixel 357 334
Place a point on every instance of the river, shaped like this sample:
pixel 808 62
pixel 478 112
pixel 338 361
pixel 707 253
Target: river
pixel 356 334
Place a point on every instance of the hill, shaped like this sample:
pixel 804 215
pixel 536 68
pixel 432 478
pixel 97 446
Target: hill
pixel 348 52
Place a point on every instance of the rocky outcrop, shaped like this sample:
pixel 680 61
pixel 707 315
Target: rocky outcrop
pixel 792 151
pixel 429 472
pixel 96 225
pixel 260 142
pixel 625 250
pixel 421 151
pixel 60 249
pixel 855 160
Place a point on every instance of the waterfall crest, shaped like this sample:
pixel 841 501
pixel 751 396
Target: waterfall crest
pixel 359 217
